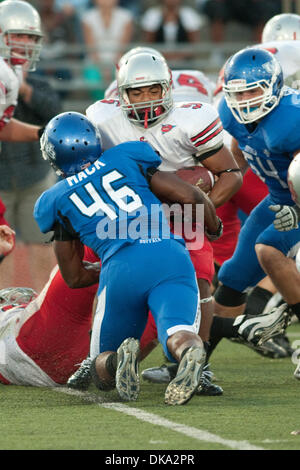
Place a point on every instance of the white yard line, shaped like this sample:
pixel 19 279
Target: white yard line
pixel 151 418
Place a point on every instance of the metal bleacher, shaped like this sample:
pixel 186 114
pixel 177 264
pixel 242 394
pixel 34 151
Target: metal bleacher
pixel 78 91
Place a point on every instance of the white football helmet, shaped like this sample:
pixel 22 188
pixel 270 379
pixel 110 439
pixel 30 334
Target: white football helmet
pixel 19 17
pixel 16 295
pixel 142 70
pixel 284 27
pixel 293 179
pixel 138 50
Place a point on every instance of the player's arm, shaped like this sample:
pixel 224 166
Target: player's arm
pixel 69 252
pixel 168 186
pixel 69 257
pixel 18 131
pixel 239 156
pixel 230 179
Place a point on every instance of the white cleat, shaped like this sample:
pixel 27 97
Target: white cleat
pixel 181 389
pixel 127 377
pixel 256 330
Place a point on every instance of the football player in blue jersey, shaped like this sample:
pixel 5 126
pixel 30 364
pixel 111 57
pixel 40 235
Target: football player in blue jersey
pixel 100 192
pixel 263 117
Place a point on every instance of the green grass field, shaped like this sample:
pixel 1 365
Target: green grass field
pixel 259 409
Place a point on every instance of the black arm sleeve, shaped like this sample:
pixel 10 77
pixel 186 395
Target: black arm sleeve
pixel 61 234
pixel 205 155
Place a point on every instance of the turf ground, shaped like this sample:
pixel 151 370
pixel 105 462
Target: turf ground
pixel 259 410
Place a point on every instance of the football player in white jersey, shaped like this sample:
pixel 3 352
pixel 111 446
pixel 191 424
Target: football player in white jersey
pixel 183 134
pixel 281 36
pixel 20 45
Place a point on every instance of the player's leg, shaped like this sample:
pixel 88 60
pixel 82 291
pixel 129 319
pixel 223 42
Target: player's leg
pixel 119 321
pixel 275 251
pixel 175 306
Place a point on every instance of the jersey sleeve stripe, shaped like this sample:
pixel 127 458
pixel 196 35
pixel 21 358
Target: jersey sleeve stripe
pixel 211 136
pixel 206 130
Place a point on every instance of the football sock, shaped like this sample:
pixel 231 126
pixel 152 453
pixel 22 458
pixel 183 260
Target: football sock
pixel 220 328
pixel 257 300
pixel 295 309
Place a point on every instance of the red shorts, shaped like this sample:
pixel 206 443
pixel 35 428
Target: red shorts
pixel 251 193
pixel 224 247
pixel 202 258
pixel 203 261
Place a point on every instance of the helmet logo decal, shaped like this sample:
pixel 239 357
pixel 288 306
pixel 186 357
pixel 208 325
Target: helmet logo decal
pixel 166 128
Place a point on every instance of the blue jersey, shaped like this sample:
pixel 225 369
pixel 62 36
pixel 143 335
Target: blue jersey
pixel 109 204
pixel 269 146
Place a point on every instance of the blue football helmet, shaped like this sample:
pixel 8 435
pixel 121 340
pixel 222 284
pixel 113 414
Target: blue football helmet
pixel 250 70
pixel 70 143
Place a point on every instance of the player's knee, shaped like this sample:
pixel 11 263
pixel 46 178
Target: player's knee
pixel 102 383
pixel 229 297
pixel 265 254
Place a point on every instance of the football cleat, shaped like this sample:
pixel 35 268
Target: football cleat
pixel 206 387
pixel 257 330
pixel 274 348
pixel 160 375
pixel 127 377
pixel 181 389
pixel 164 374
pixel 81 379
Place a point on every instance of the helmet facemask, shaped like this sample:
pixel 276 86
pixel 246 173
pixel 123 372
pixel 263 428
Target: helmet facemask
pixel 145 70
pixel 147 113
pixel 252 109
pixel 18 52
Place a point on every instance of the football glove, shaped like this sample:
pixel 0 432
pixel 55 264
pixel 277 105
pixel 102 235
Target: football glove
pixel 286 218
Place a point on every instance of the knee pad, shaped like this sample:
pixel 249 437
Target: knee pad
pixel 99 383
pixel 229 297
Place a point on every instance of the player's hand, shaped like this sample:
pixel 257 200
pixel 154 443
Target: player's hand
pixel 214 236
pixel 286 218
pixel 7 239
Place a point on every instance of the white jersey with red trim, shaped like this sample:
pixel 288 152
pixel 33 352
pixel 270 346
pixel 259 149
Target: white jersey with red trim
pixel 10 81
pixel 188 85
pixel 189 130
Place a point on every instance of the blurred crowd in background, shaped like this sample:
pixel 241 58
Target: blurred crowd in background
pixel 85 38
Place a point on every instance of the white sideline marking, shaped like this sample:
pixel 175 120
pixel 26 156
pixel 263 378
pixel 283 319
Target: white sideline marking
pixel 151 418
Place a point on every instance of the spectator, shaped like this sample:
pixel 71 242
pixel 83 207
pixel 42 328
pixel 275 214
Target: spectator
pixel 171 23
pixel 24 176
pixel 74 6
pixel 107 29
pixel 61 28
pixel 253 13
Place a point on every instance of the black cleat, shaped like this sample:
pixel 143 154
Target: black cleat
pixel 81 379
pixel 206 387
